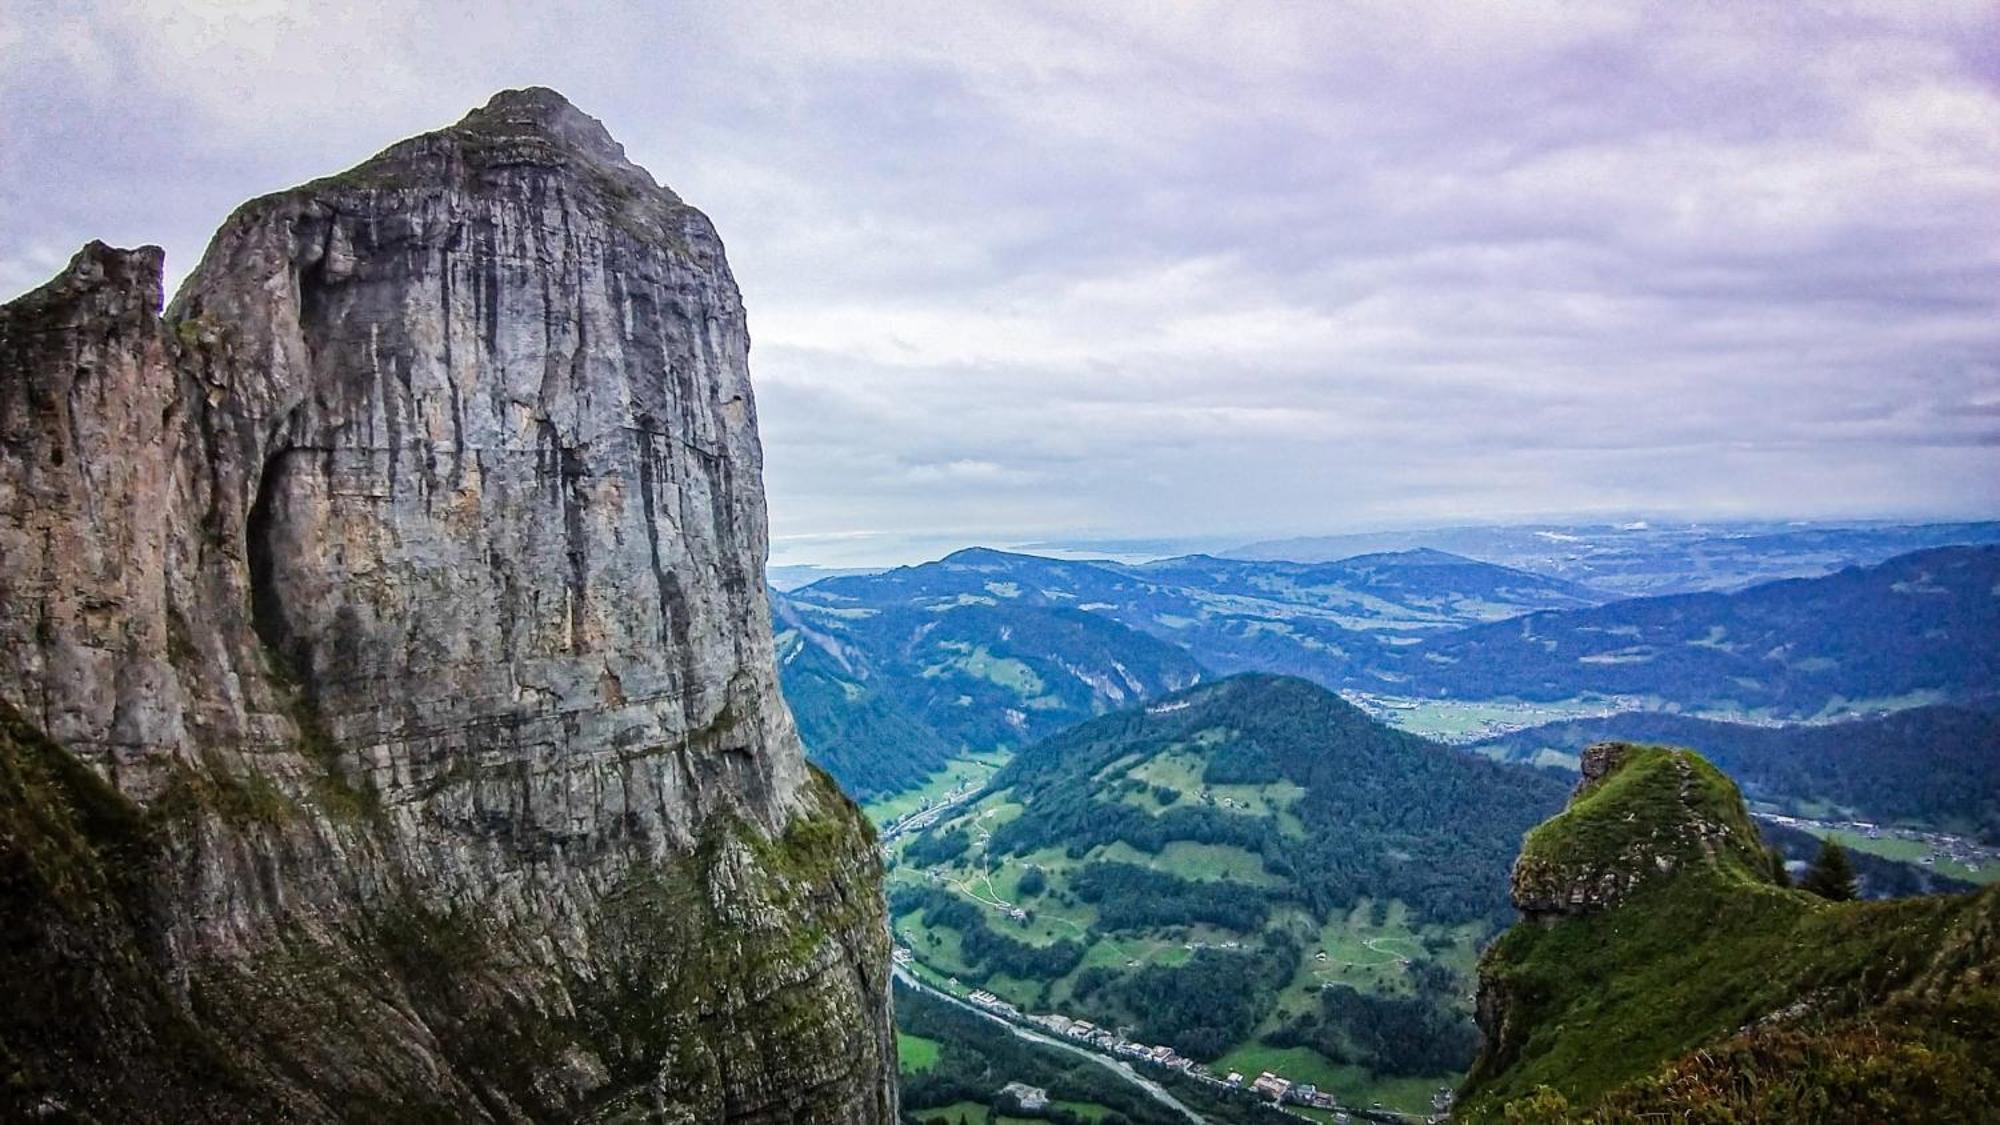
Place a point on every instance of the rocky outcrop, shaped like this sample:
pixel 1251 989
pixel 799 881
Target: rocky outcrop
pixel 402 586
pixel 1671 809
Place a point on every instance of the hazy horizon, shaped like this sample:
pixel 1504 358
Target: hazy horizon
pixel 883 553
pixel 1036 274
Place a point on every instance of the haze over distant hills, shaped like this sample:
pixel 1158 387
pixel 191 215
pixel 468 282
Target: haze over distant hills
pixel 1430 629
pixel 805 574
pixel 1638 558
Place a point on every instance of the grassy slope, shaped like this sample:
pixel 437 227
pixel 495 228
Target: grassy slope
pixel 1629 1009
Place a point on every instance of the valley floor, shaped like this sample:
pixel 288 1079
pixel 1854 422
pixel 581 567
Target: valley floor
pixel 1370 948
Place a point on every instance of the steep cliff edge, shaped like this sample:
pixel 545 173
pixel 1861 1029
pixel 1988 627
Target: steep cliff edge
pixel 1661 974
pixel 393 609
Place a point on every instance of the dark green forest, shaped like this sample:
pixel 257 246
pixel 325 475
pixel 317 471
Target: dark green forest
pixel 1384 814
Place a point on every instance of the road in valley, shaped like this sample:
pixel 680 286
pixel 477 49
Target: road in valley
pixel 1116 1066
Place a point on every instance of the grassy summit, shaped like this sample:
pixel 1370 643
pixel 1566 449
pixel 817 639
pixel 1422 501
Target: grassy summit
pixel 1662 971
pixel 1641 813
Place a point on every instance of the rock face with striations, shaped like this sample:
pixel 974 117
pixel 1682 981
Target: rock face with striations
pixel 393 608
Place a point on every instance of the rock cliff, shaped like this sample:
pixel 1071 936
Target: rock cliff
pixel 390 709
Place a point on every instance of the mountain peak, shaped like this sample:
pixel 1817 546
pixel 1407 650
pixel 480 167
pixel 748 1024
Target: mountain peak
pixel 987 556
pixel 434 422
pixel 542 113
pixel 518 133
pixel 1414 556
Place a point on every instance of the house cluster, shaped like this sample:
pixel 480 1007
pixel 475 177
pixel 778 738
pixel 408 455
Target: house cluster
pixel 1279 1089
pixel 1105 1039
pixel 1284 1091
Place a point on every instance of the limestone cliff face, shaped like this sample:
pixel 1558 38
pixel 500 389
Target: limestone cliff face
pixel 406 581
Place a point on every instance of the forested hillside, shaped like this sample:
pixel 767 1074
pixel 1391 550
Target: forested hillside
pixel 1252 872
pixel 1377 812
pixel 885 696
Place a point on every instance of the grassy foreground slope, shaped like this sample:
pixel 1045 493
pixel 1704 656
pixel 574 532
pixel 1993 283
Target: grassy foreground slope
pixel 1662 974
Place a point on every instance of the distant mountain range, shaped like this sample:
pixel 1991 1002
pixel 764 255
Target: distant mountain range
pixel 1410 590
pixel 1933 767
pixel 893 674
pixel 1639 559
pixel 988 650
pixel 1920 628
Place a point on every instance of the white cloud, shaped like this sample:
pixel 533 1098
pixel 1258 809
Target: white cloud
pixel 1024 270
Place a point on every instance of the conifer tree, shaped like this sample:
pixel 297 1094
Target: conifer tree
pixel 1831 875
pixel 1779 874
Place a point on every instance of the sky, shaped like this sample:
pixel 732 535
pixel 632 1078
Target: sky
pixel 1054 272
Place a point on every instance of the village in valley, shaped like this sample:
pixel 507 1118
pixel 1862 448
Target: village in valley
pixel 1283 1092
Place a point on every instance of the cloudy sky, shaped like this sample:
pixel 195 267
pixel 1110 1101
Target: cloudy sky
pixel 1029 271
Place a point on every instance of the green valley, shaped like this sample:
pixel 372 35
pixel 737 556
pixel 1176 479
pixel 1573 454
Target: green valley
pixel 898 675
pixel 1250 873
